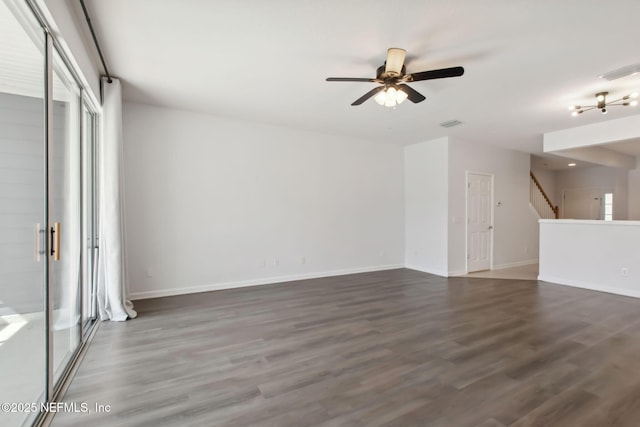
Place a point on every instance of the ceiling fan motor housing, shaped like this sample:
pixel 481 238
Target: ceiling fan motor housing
pixel 381 75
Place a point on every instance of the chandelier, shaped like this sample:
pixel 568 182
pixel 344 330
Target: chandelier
pixel 602 103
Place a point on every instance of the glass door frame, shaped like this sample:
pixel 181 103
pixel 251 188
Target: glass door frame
pixel 48 299
pixel 88 104
pixel 53 388
pixel 89 171
pixel 24 266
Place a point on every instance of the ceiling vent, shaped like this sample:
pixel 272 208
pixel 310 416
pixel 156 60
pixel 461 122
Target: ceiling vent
pixel 629 70
pixel 450 123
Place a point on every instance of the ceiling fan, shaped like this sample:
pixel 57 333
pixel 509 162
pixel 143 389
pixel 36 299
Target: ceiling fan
pixel 393 79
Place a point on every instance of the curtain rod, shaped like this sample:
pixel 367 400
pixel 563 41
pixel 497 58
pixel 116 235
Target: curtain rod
pixel 95 41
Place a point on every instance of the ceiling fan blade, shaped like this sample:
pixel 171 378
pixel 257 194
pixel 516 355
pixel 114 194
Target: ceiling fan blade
pixel 395 60
pixel 437 74
pixel 349 79
pixel 367 95
pixel 412 94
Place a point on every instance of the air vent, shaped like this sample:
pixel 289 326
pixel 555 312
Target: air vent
pixel 629 70
pixel 450 123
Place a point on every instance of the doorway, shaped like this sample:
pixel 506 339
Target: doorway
pixel 479 221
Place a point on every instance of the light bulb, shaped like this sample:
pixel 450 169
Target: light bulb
pixel 401 96
pixel 572 107
pixel 381 97
pixel 575 113
pixel 634 95
pixel 600 98
pixel 633 103
pixel 391 97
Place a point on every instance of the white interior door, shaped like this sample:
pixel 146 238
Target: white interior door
pixel 583 203
pixel 479 221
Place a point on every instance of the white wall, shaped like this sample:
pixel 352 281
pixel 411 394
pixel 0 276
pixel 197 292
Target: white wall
pixel 591 254
pixel 214 203
pixel 435 205
pixel 621 192
pixel 515 235
pixel 426 201
pixel 593 134
pixel 597 177
pixel 634 194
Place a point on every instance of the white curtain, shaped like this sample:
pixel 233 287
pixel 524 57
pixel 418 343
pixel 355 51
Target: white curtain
pixel 113 293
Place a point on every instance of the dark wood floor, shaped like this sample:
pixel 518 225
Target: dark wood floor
pixel 397 348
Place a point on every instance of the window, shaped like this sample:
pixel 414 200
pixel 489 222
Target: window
pixel 608 206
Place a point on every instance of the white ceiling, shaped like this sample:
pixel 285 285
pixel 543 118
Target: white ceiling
pixel 630 147
pixel 266 61
pixel 556 163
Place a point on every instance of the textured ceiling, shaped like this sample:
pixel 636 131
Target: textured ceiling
pixel 266 61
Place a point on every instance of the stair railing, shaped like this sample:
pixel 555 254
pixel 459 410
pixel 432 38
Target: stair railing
pixel 540 201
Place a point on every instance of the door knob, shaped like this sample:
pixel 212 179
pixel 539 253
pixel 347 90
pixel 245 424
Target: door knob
pixel 491 227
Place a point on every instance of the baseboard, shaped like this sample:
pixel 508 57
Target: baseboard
pixel 258 282
pixel 515 264
pixel 589 286
pixel 457 273
pixel 441 273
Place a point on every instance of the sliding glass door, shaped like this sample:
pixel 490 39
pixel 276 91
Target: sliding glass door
pixel 22 214
pixel 48 243
pixel 65 215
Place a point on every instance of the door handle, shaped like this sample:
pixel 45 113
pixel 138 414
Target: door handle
pixel 55 241
pixel 491 227
pixel 40 237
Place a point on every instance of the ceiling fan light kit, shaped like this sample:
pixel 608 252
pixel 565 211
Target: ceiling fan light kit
pixel 602 104
pixel 391 97
pixel 393 78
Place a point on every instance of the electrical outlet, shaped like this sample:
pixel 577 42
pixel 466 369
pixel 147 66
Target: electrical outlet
pixel 624 272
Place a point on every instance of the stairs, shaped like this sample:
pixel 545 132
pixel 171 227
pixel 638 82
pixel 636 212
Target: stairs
pixel 540 201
